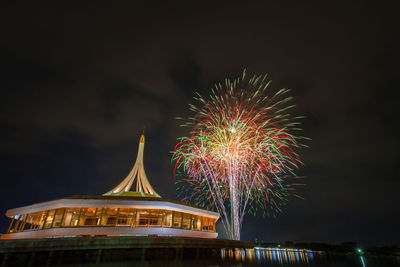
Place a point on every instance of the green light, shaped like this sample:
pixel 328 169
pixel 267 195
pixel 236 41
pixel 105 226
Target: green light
pixel 359 250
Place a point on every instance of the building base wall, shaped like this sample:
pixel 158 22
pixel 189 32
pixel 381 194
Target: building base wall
pixel 108 231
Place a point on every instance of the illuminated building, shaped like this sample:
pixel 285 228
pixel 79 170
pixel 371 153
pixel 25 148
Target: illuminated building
pixel 119 212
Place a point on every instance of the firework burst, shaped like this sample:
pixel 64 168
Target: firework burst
pixel 241 152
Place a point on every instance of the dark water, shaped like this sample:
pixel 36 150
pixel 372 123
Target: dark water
pixel 265 257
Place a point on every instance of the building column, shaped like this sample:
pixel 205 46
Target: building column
pixel 15 229
pixel 62 217
pixel 54 218
pixel 79 216
pixel 116 217
pixel 21 228
pixel 101 216
pixel 133 220
pixel 95 214
pixel 137 218
pixel 9 227
pixel 43 220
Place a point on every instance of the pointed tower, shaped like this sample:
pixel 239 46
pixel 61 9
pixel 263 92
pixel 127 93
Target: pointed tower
pixel 137 178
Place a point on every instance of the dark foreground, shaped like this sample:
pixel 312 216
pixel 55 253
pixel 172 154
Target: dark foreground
pixel 75 250
pixel 168 251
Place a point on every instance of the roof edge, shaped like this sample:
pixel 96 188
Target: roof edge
pixel 36 206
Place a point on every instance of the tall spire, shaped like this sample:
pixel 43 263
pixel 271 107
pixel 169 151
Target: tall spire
pixel 137 175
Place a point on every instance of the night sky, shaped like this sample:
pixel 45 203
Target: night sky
pixel 79 83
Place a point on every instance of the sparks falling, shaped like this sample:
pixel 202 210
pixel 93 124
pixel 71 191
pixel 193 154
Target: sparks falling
pixel 241 152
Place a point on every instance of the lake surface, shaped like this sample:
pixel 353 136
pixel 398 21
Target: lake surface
pixel 264 257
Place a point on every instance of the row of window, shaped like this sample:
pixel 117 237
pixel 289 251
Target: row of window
pixel 72 217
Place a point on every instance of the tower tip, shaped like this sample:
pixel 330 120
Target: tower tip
pixel 142 139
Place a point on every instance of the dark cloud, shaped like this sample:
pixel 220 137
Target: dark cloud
pixel 79 83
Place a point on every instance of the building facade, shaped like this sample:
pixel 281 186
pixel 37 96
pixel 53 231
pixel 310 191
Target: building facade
pixel 119 212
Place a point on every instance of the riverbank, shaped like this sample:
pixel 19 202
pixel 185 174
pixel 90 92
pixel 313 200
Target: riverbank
pixel 98 249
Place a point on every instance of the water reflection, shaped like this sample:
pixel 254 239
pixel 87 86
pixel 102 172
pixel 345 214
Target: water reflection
pixel 273 255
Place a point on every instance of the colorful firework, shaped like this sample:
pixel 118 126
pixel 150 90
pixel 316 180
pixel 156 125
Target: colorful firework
pixel 241 152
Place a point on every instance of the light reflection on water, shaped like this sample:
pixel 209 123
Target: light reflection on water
pixel 260 256
pixel 273 255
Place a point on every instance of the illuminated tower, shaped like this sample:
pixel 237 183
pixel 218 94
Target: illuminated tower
pixel 136 176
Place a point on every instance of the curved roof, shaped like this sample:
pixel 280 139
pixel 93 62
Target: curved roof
pixel 78 201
